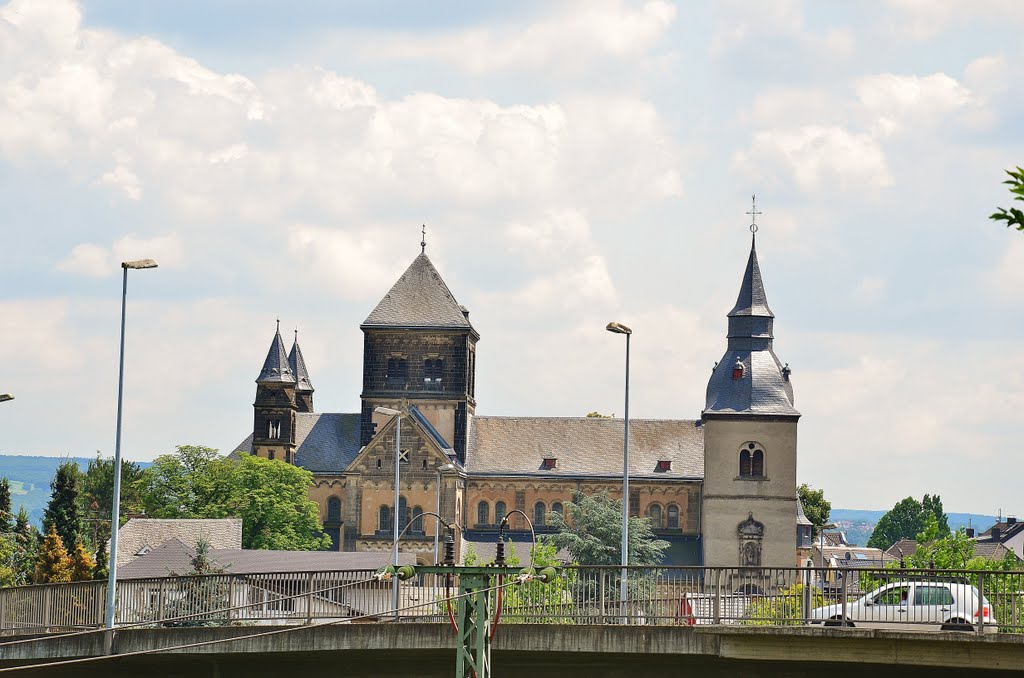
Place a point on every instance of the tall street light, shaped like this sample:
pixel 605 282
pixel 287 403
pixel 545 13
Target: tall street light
pixel 115 510
pixel 437 509
pixel 398 446
pixel 619 328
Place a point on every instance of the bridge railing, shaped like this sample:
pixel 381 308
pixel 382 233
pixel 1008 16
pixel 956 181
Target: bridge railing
pixel 873 597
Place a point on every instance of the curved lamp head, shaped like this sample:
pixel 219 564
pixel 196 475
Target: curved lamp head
pixel 446 467
pixel 386 410
pixel 4 397
pixel 618 328
pixel 139 263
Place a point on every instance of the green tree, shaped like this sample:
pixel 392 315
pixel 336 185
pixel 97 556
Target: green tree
pixel 8 560
pixel 1012 216
pixel 97 495
pixel 62 512
pixel 101 570
pixel 27 539
pixel 5 506
pixel 908 519
pixel 53 563
pixel 271 497
pixel 591 531
pixel 816 507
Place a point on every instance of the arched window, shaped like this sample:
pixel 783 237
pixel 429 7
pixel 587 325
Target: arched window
pixel 654 513
pixel 556 507
pixel 673 517
pixel 539 513
pixel 270 454
pixel 334 510
pixel 744 463
pixel 757 464
pixel 396 373
pixel 499 512
pixel 384 519
pixel 403 514
pixel 483 513
pixel 417 520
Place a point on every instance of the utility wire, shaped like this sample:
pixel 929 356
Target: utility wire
pixel 82 660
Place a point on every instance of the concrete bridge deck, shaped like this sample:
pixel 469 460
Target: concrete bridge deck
pixel 540 650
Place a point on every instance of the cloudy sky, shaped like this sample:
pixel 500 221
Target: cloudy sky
pixel 574 163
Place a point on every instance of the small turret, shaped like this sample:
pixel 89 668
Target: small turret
pixel 273 433
pixel 303 386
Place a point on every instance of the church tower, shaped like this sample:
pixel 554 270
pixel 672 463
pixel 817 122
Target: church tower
pixel 750 427
pixel 273 433
pixel 419 348
pixel 303 386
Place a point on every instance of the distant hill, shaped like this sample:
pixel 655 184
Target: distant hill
pixel 30 480
pixel 860 523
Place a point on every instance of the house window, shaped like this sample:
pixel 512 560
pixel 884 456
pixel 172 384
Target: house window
pixel 423 465
pixel 384 519
pixel 539 513
pixel 483 513
pixel 380 463
pixel 270 455
pixel 274 429
pixel 472 373
pixel 634 503
pixel 549 463
pixel 499 512
pixel 334 510
pixel 433 371
pixel 396 374
pixel 672 515
pixel 556 507
pixel 403 513
pixel 654 513
pixel 417 520
pixel 752 461
pixel 664 465
pixel 288 456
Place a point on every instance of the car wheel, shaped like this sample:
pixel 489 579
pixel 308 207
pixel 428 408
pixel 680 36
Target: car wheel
pixel 957 625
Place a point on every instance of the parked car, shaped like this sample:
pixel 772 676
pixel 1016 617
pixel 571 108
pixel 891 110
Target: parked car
pixel 914 606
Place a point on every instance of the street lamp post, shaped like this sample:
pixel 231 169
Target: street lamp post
pixel 821 552
pixel 398 446
pixel 116 503
pixel 619 328
pixel 437 509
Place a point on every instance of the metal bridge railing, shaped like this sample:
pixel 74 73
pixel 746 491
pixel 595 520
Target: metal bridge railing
pixel 964 600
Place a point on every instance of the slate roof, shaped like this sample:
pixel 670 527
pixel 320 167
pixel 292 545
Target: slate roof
pixel 298 367
pixel 146 534
pixel 1007 531
pixel 420 298
pixel 275 368
pixel 849 556
pixel 174 557
pixel 583 446
pixel 801 517
pixel 324 442
pixel 990 550
pixel 765 388
pixel 907 546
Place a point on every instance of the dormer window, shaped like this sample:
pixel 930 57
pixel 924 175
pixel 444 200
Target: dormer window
pixel 738 369
pixel 550 463
pixel 664 465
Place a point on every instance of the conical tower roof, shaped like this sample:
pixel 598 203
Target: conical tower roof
pixel 752 300
pixel 276 369
pixel 419 299
pixel 298 367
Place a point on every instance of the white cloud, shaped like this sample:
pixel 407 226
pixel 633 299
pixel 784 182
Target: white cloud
pixel 925 19
pixel 870 290
pixel 817 157
pixel 1006 279
pixel 353 266
pixel 742 26
pixel 97 261
pixel 895 101
pixel 575 35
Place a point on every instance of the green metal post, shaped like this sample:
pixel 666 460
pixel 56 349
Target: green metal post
pixel 473 658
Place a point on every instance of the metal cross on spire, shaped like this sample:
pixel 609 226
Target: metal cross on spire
pixel 423 242
pixel 753 213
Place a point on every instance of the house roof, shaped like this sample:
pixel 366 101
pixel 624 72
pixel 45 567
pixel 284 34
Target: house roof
pixel 276 369
pixel 907 546
pixel 583 446
pixel 801 517
pixel 141 535
pixel 175 558
pixel 752 300
pixel 485 546
pixel 990 550
pixel 324 442
pixel 834 539
pixel 850 556
pixel 1007 531
pixel 420 298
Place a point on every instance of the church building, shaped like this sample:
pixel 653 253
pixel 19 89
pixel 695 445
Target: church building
pixel 720 488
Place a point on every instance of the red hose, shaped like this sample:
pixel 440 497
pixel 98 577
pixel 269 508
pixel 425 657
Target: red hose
pixel 497 611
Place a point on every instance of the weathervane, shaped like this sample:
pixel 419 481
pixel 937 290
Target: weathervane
pixel 423 242
pixel 754 214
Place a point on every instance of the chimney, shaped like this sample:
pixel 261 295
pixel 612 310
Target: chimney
pixel 970 533
pixel 996 533
pixel 1010 520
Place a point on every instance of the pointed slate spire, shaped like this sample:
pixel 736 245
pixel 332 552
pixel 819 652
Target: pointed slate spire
pixel 752 300
pixel 275 368
pixel 419 299
pixel 298 367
